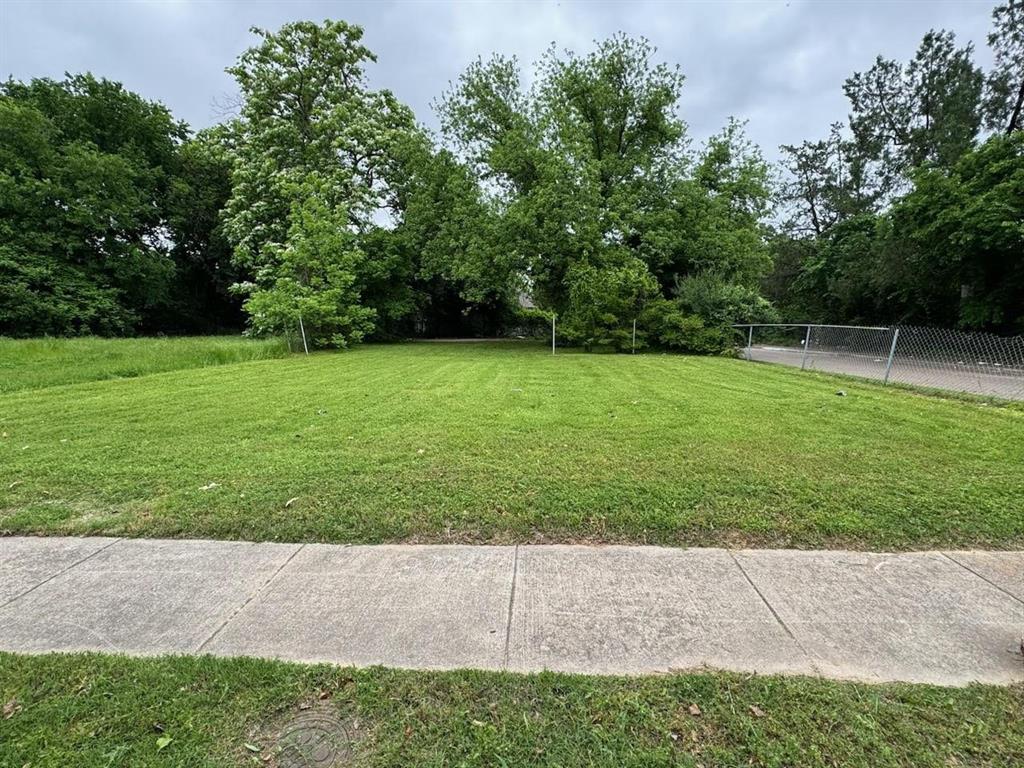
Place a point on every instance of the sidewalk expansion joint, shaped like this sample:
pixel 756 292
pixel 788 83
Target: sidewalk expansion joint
pixel 61 572
pixel 511 603
pixel 983 578
pixel 810 658
pixel 256 593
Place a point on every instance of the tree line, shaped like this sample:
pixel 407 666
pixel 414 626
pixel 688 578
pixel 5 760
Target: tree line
pixel 322 201
pixel 913 210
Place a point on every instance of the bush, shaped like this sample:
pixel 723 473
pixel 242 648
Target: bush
pixel 671 328
pixel 604 301
pixel 721 303
pixel 527 322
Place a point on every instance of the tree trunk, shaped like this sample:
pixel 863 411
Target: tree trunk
pixel 1015 118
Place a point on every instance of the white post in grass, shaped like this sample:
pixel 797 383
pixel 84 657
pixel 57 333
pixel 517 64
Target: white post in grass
pixel 633 352
pixel 552 333
pixel 302 329
pixel 750 341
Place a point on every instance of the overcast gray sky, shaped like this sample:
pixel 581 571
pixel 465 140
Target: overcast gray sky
pixel 778 64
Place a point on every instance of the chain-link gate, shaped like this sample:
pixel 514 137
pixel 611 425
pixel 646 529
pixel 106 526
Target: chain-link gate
pixel 979 363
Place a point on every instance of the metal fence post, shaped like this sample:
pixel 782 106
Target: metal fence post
pixel 633 350
pixel 939 358
pixel 892 353
pixel 552 333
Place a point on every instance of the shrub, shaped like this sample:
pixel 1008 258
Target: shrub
pixel 671 328
pixel 528 322
pixel 722 303
pixel 604 301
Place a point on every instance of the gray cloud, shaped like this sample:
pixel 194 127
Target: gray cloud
pixel 778 64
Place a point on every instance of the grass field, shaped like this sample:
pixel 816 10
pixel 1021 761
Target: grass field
pixel 504 442
pixel 27 364
pixel 96 711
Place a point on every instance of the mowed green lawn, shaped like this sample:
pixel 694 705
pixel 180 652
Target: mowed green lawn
pixel 505 442
pixel 97 711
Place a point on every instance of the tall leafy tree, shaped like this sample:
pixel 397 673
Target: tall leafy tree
pixel 595 186
pixel 826 182
pixel 573 159
pixel 925 111
pixel 314 285
pixel 204 273
pixel 437 267
pixel 937 238
pixel 85 175
pixel 964 230
pixel 309 123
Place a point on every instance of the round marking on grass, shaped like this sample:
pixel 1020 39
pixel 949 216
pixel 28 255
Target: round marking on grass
pixel 315 738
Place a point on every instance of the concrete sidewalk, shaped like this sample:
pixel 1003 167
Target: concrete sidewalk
pixel 947 618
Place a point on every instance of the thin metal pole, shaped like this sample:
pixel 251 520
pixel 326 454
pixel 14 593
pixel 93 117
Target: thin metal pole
pixel 552 333
pixel 892 353
pixel 303 330
pixel 750 342
pixel 807 346
pixel 817 325
pixel 633 352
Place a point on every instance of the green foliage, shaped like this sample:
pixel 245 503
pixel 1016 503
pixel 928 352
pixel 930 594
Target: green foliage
pixel 599 198
pixel 965 229
pixel 201 296
pixel 913 220
pixel 161 231
pixel 107 220
pixel 1004 98
pixel 528 322
pixel 312 279
pixel 713 220
pixel 83 181
pixel 959 227
pixel 927 111
pixel 827 182
pixel 668 325
pixel 460 280
pixel 721 303
pixel 604 301
pixel 313 153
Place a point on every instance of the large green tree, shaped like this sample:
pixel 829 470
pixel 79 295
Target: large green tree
pixel 928 110
pixel 826 182
pixel 310 126
pixel 201 292
pixel 596 188
pixel 85 176
pixel 963 232
pixel 463 280
pixel 910 218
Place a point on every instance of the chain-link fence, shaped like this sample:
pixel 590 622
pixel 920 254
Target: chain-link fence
pixel 979 363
